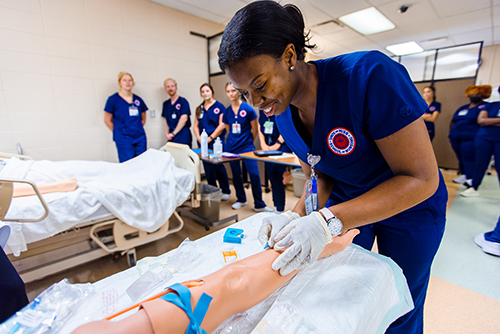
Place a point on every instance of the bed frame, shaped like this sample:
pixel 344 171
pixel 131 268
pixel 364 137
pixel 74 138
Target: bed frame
pixel 95 238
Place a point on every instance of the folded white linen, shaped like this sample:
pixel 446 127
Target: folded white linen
pixel 142 192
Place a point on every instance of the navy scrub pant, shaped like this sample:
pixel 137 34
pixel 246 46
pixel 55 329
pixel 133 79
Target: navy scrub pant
pixel 217 172
pixel 411 239
pixel 494 236
pixel 484 149
pixel 12 292
pixel 464 150
pixel 183 138
pixel 275 175
pixel 253 172
pixel 128 149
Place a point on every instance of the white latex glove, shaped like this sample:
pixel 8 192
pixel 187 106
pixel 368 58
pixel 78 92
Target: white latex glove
pixel 272 225
pixel 303 239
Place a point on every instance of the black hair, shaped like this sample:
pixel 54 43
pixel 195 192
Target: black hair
pixel 263 27
pixel 198 109
pixel 433 92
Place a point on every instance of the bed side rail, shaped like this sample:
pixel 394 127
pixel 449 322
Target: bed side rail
pixel 6 192
pixel 185 158
pixel 8 156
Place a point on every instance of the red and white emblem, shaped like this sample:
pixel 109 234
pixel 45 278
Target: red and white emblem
pixel 178 106
pixel 432 108
pixel 216 111
pixel 137 103
pixel 341 141
pixel 243 113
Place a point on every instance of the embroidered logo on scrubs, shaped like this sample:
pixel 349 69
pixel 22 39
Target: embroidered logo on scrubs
pixel 216 111
pixel 481 106
pixel 405 111
pixel 137 103
pixel 432 108
pixel 341 141
pixel 243 113
pixel 178 106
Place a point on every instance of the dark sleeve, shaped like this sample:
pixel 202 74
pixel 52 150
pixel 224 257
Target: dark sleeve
pixel 251 112
pixel 143 107
pixel 225 119
pixel 185 109
pixel 438 107
pixel 164 109
pixel 110 106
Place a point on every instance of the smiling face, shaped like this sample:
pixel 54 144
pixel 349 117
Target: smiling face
pixel 126 82
pixel 428 94
pixel 206 93
pixel 170 87
pixel 264 81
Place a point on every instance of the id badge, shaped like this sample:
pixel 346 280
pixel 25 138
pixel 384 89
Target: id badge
pixel 463 112
pixel 268 127
pixel 174 116
pixel 236 128
pixel 311 199
pixel 498 115
pixel 133 111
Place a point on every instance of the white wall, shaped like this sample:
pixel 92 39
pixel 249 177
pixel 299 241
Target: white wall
pixel 489 72
pixel 59 61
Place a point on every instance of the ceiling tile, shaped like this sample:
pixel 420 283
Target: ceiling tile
pixel 472 21
pixel 338 8
pixel 447 8
pixel 418 12
pixel 485 35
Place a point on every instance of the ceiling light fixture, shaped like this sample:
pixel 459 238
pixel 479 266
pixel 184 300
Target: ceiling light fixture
pixel 404 48
pixel 367 21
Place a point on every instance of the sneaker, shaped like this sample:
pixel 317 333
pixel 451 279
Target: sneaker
pixel 225 197
pixel 471 192
pixel 264 209
pixel 238 205
pixel 468 183
pixel 488 247
pixel 461 179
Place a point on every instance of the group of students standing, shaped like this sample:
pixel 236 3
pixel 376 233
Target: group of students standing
pixel 237 126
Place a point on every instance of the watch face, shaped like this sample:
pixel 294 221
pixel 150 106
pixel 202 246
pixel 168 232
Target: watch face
pixel 335 226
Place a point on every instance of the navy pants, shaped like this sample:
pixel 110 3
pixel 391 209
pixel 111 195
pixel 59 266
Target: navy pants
pixel 183 137
pixel 484 149
pixel 217 172
pixel 128 149
pixel 253 172
pixel 464 150
pixel 12 292
pixel 275 175
pixel 494 236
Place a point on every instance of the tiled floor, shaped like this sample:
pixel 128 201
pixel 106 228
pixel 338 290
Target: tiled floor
pixel 464 292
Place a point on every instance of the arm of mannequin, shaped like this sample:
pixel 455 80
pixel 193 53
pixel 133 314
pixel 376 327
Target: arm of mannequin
pixel 65 185
pixel 234 288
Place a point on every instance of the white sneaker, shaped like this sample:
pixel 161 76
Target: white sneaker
pixel 471 192
pixel 225 197
pixel 461 179
pixel 468 183
pixel 264 209
pixel 488 247
pixel 238 205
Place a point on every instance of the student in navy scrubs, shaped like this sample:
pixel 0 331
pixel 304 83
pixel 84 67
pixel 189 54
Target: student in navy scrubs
pixel 241 126
pixel 486 144
pixel 357 119
pixel 271 140
pixel 177 113
pixel 209 117
pixel 125 115
pixel 463 130
pixel 431 114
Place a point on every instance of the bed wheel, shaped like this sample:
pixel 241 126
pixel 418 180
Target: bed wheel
pixel 131 258
pixel 207 228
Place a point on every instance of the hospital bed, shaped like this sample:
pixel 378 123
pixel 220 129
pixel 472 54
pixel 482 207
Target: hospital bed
pixel 355 291
pixel 116 207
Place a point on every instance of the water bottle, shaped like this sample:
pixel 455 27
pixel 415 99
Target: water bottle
pixel 218 148
pixel 204 144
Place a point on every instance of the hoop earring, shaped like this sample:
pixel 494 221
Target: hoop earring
pixel 292 68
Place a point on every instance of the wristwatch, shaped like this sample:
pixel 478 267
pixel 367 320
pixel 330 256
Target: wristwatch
pixel 334 224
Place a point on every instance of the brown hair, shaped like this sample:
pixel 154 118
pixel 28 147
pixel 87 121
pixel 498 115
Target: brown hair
pixel 198 109
pixel 484 91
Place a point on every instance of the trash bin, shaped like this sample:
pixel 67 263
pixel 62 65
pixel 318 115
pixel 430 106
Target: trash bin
pixel 210 203
pixel 299 181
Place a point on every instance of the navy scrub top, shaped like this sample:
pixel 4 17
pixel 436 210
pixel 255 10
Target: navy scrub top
pixel 491 132
pixel 243 141
pixel 465 119
pixel 173 112
pixel 353 109
pixel 209 119
pixel 271 138
pixel 435 106
pixel 126 125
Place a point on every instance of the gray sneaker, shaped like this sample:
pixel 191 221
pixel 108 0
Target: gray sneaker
pixel 225 197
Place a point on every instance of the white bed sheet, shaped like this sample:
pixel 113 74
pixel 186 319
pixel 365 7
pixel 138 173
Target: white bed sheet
pixel 354 291
pixel 142 192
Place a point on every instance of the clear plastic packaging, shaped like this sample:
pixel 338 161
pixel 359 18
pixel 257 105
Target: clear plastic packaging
pixel 47 312
pixel 204 144
pixel 218 148
pixel 183 256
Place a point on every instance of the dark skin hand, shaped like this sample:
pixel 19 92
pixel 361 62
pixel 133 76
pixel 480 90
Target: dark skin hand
pixel 268 84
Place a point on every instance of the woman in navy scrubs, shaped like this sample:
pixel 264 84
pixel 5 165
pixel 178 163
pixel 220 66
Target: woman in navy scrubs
pixel 486 144
pixel 357 119
pixel 432 113
pixel 241 126
pixel 463 130
pixel 125 115
pixel 177 114
pixel 209 117
pixel 271 140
